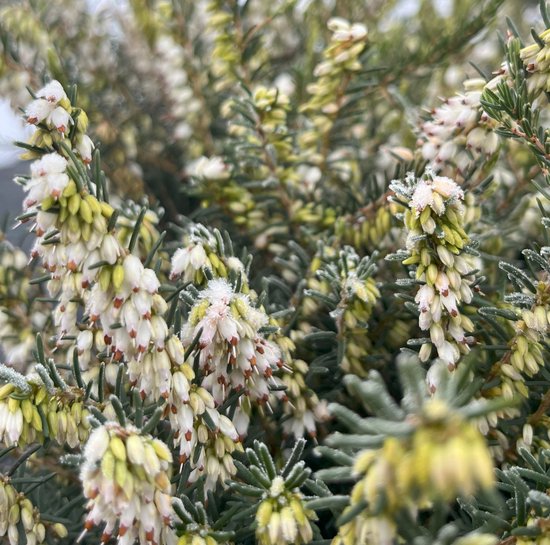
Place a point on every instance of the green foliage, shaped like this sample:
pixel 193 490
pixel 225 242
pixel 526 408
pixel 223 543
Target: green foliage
pixel 324 316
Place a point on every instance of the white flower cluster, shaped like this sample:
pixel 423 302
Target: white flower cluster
pixel 71 238
pixel 436 194
pixel 210 168
pixel 458 129
pixel 200 250
pixel 435 242
pixel 340 60
pixel 22 408
pixel 53 110
pixel 126 478
pixel 89 264
pixel 169 62
pixel 70 224
pixel 233 354
pixel 199 425
pixel 344 31
pixel 129 308
pixel 188 260
pixel 48 179
pixel 50 106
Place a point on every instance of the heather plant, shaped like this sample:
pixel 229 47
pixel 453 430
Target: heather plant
pixel 288 279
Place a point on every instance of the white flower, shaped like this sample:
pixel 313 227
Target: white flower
pixel 37 111
pixel 53 92
pixel 424 297
pixel 187 261
pixel 422 197
pixel 449 353
pixel 447 188
pixel 110 249
pixel 52 163
pixel 212 168
pixel 84 147
pixel 218 291
pixel 48 179
pixel 149 281
pixel 60 119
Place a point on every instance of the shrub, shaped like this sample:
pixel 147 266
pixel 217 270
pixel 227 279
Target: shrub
pixel 322 318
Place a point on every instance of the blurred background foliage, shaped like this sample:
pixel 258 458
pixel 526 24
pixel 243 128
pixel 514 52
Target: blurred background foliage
pixel 257 118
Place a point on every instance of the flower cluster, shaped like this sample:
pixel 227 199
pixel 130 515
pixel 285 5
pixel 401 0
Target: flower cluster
pixel 125 301
pixel 20 519
pixel 340 60
pixel 304 409
pixel 89 266
pixel 21 315
pixel 126 478
pixel 215 183
pixel 233 353
pixel 281 517
pixel 366 230
pixel 71 230
pixel 458 131
pixel 526 350
pixel 449 455
pixel 525 354
pixel 435 243
pixel 347 279
pixel 229 44
pixel 53 113
pixel 263 152
pixel 176 85
pixel 537 62
pixel 204 437
pixel 202 250
pixel 445 457
pixel 51 106
pixel 24 414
